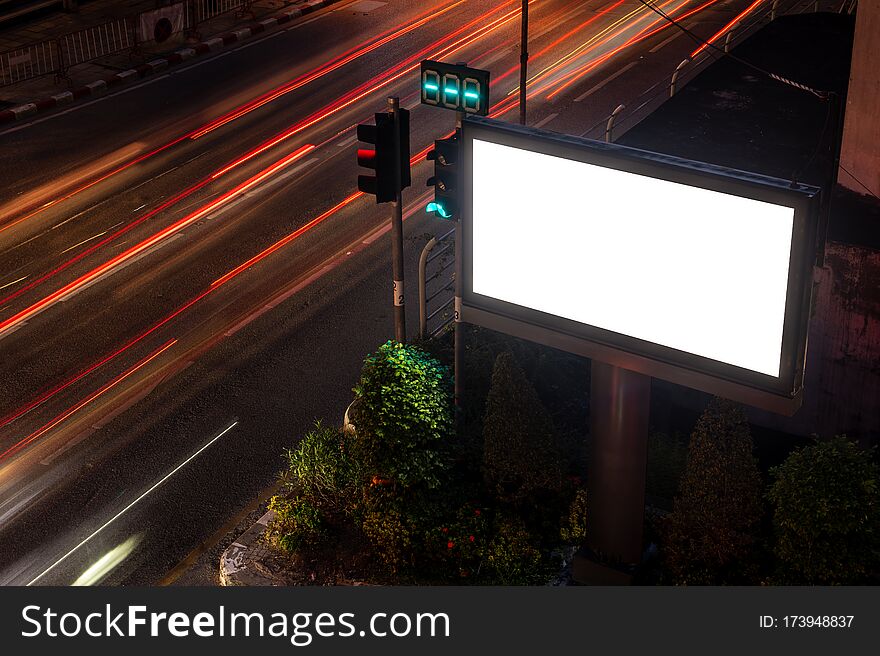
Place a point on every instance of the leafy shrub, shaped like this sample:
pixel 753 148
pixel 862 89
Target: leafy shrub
pixel 297 525
pixel 404 418
pixel 667 457
pixel 826 514
pixel 712 527
pixel 461 542
pixel 574 525
pixel 512 557
pixel 388 531
pixel 321 469
pixel 520 452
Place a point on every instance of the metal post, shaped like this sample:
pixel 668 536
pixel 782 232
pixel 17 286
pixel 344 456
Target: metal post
pixel 684 62
pixel 458 334
pixel 397 233
pixel 619 411
pixel 773 10
pixel 423 283
pixel 835 140
pixel 523 62
pixel 609 127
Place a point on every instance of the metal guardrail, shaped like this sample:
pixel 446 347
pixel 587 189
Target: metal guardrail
pixel 31 61
pixel 436 289
pixel 657 93
pixel 94 42
pixel 62 53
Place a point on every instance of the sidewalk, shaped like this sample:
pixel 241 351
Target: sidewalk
pixel 94 77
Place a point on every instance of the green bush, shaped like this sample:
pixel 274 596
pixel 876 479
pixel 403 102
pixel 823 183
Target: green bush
pixel 826 514
pixel 298 524
pixel 520 450
pixel 512 557
pixel 404 419
pixel 321 470
pixel 391 536
pixel 711 531
pixel 574 526
pixel 667 457
pixel 461 542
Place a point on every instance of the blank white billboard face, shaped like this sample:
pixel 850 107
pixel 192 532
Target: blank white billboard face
pixel 692 269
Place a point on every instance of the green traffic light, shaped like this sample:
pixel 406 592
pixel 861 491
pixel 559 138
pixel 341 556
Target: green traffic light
pixel 437 208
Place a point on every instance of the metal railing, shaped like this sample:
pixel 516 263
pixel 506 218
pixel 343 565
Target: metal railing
pixel 437 286
pixel 123 34
pixel 659 92
pixel 31 61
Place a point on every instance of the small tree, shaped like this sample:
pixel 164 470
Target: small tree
pixel 520 453
pixel 404 418
pixel 826 514
pixel 712 527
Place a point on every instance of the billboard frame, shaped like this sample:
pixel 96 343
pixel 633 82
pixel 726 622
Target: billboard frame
pixel 780 394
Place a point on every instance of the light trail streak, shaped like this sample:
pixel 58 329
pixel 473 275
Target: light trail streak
pixel 133 503
pixel 166 232
pixel 645 33
pixel 18 446
pixel 304 79
pixel 724 29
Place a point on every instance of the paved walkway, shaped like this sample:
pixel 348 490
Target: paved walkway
pixel 94 13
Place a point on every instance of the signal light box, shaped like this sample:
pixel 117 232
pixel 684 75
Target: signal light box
pixel 452 86
pixel 689 272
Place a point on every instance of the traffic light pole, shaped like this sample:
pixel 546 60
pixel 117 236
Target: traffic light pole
pixel 458 328
pixel 523 62
pixel 397 234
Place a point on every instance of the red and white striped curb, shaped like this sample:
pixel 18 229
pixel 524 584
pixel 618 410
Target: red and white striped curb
pixel 211 45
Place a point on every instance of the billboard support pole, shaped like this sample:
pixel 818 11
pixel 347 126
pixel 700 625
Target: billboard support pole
pixel 619 412
pixel 397 233
pixel 458 329
pixel 523 61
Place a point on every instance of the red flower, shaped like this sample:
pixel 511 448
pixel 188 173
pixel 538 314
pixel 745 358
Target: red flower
pixel 477 512
pixel 471 538
pixel 450 544
pixel 445 530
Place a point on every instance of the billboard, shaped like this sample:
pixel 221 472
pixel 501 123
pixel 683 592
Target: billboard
pixel 680 270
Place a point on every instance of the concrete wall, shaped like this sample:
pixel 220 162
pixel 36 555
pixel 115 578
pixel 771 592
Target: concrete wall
pixel 860 152
pixel 842 385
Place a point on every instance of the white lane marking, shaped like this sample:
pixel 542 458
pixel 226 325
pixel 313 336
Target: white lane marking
pixel 606 81
pixel 347 142
pixel 9 284
pixel 544 121
pixel 132 504
pixel 260 189
pixel 85 240
pixel 116 268
pixel 137 209
pixel 669 40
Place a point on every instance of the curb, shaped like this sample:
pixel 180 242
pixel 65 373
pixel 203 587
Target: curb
pixel 178 56
pixel 237 562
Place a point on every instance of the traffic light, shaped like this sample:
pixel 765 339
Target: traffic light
pixel 383 158
pixel 445 178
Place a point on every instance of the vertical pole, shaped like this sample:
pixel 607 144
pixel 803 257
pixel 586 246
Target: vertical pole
pixel 397 232
pixel 523 62
pixel 458 335
pixel 834 143
pixel 619 412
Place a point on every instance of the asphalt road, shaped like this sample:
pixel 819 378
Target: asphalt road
pixel 176 307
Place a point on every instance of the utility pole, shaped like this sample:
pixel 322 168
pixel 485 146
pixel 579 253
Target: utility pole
pixel 397 230
pixel 523 62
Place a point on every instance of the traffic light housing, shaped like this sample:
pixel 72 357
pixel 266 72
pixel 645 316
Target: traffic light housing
pixel 445 179
pixel 383 157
